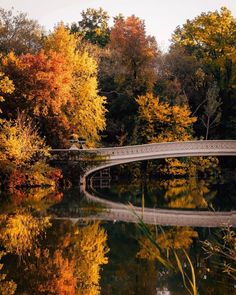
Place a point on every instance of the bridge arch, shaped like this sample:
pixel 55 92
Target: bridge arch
pixel 128 154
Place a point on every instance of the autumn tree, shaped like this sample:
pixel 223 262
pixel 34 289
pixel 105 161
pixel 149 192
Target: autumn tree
pixel 68 261
pixel 59 89
pixel 161 122
pixel 210 37
pixel 22 155
pixel 93 26
pixel 6 86
pixel 133 56
pixel 182 79
pixel 19 33
pixel 127 69
pixel 85 109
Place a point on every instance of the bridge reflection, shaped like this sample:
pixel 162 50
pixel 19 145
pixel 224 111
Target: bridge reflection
pixel 117 212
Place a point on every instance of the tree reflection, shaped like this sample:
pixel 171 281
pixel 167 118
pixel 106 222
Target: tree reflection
pixel 172 238
pixel 66 261
pixel 6 287
pixel 185 193
pixel 19 232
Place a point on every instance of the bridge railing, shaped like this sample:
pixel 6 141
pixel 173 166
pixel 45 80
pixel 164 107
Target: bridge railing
pixel 199 145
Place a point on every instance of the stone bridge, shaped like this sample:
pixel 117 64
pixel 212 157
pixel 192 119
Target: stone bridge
pixel 107 157
pixel 120 155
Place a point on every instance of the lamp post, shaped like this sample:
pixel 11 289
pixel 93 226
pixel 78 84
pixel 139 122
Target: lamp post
pixel 80 141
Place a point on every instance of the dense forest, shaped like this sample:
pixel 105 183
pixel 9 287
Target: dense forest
pixel 110 85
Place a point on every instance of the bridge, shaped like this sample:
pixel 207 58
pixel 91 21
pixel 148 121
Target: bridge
pixel 126 154
pixel 121 155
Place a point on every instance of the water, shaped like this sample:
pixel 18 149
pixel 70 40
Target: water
pixel 70 252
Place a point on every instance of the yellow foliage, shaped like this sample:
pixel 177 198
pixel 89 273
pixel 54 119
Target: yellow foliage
pixel 20 142
pixel 91 244
pixel 71 265
pixel 6 287
pixel 185 193
pixel 173 238
pixel 19 232
pixel 209 36
pixel 161 122
pixel 85 109
pixel 6 86
pixel 57 273
pixel 61 41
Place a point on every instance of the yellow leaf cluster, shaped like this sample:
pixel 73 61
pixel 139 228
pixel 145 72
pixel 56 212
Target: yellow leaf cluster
pixel 161 122
pixel 210 36
pixel 20 142
pixel 19 232
pixel 91 245
pixel 185 193
pixel 85 108
pixel 6 86
pixel 173 238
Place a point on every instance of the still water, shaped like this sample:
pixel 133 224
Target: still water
pixel 53 247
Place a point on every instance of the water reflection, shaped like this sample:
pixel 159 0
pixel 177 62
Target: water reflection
pixel 215 192
pixel 42 254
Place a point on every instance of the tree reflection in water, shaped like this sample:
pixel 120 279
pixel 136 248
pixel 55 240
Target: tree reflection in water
pixel 45 256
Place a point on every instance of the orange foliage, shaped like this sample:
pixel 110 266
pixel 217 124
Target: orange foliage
pixel 58 85
pixel 57 272
pixel 133 53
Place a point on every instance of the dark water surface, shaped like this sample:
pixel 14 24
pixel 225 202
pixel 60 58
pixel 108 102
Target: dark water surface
pixel 67 255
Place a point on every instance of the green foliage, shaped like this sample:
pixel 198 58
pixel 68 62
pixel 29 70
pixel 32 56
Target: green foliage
pixel 93 26
pixel 210 37
pixel 212 111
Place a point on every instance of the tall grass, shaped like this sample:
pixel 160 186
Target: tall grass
pixel 189 280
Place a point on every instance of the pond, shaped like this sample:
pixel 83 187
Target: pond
pixel 58 243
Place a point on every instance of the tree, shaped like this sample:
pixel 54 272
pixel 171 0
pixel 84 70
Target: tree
pixel 212 112
pixel 22 156
pixel 210 37
pixel 93 26
pixel 86 109
pixel 161 122
pixel 20 142
pixel 6 86
pixel 19 33
pixel 133 56
pixel 127 69
pixel 68 261
pixel 57 85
